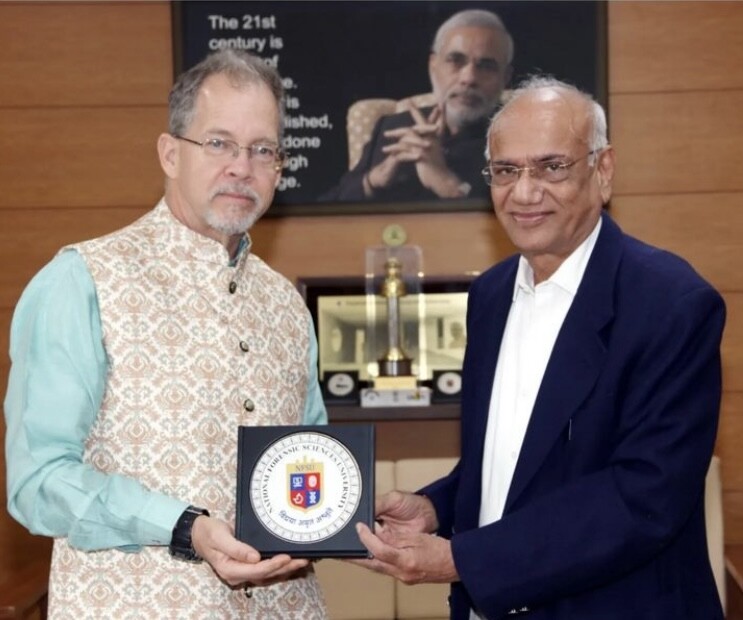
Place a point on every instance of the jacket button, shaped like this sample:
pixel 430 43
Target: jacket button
pixel 233 287
pixel 244 347
pixel 248 405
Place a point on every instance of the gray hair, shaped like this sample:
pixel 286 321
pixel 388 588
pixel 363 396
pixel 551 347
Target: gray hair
pixel 597 140
pixel 240 67
pixel 476 18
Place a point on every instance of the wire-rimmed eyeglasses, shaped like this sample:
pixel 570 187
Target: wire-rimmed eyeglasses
pixel 263 153
pixel 549 170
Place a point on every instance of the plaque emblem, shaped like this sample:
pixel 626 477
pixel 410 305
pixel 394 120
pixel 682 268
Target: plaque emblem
pixel 305 487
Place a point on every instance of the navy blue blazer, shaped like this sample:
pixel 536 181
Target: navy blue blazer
pixel 604 519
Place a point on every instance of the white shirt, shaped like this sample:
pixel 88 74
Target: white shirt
pixel 534 320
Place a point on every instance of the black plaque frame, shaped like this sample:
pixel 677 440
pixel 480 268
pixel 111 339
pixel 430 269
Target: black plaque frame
pixel 253 441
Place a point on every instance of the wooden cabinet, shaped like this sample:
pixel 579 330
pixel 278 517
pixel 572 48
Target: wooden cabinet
pixel 406 432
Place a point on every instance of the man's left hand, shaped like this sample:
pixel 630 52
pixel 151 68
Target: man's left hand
pixel 421 145
pixel 411 558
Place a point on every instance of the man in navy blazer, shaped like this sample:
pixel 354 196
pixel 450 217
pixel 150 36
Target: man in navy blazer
pixel 591 393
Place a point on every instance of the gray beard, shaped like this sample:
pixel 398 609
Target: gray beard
pixel 233 223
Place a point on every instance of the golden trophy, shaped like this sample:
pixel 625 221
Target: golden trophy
pixel 395 367
pixel 394 292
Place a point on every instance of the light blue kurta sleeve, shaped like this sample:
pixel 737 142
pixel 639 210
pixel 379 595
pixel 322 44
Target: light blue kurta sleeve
pixel 55 389
pixel 314 406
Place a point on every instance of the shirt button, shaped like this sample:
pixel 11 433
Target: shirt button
pixel 248 405
pixel 244 347
pixel 248 593
pixel 233 287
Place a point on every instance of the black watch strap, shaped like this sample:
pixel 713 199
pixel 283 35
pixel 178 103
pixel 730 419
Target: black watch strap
pixel 181 545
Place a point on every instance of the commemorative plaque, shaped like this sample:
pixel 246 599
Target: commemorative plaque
pixel 302 489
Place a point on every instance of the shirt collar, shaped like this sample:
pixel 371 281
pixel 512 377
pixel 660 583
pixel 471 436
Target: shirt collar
pixel 568 275
pixel 243 247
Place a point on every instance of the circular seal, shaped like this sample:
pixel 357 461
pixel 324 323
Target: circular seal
pixel 305 487
pixel 449 383
pixel 340 384
pixel 394 235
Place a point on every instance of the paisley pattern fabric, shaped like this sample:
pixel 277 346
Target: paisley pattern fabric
pixel 195 347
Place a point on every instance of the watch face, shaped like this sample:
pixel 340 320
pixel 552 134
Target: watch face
pixel 340 384
pixel 449 383
pixel 305 487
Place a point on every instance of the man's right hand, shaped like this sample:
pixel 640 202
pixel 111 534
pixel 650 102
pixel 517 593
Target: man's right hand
pixel 236 562
pixel 381 176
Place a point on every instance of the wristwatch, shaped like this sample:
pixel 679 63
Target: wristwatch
pixel 181 545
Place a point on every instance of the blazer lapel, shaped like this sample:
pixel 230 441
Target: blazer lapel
pixel 488 321
pixel 576 361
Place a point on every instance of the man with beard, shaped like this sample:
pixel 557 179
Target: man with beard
pixel 135 357
pixel 435 153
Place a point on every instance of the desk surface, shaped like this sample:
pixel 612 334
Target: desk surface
pixel 25 591
pixel 356 413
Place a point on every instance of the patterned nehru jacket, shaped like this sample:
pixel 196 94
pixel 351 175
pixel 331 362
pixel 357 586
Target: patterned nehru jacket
pixel 195 347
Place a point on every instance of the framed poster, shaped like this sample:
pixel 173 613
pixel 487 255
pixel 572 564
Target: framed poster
pixel 333 55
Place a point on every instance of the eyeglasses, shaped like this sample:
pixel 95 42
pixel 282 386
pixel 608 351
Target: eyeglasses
pixel 261 153
pixel 549 171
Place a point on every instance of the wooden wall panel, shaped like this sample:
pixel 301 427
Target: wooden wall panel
pixel 713 244
pixel 335 245
pixel 406 439
pixel 22 547
pixel 675 46
pixel 80 157
pixel 730 439
pixel 104 53
pixel 732 344
pixel 39 233
pixel 678 142
pixel 5 315
pixel 732 501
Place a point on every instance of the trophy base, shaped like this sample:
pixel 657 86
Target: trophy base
pixel 418 397
pixel 409 382
pixel 395 368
